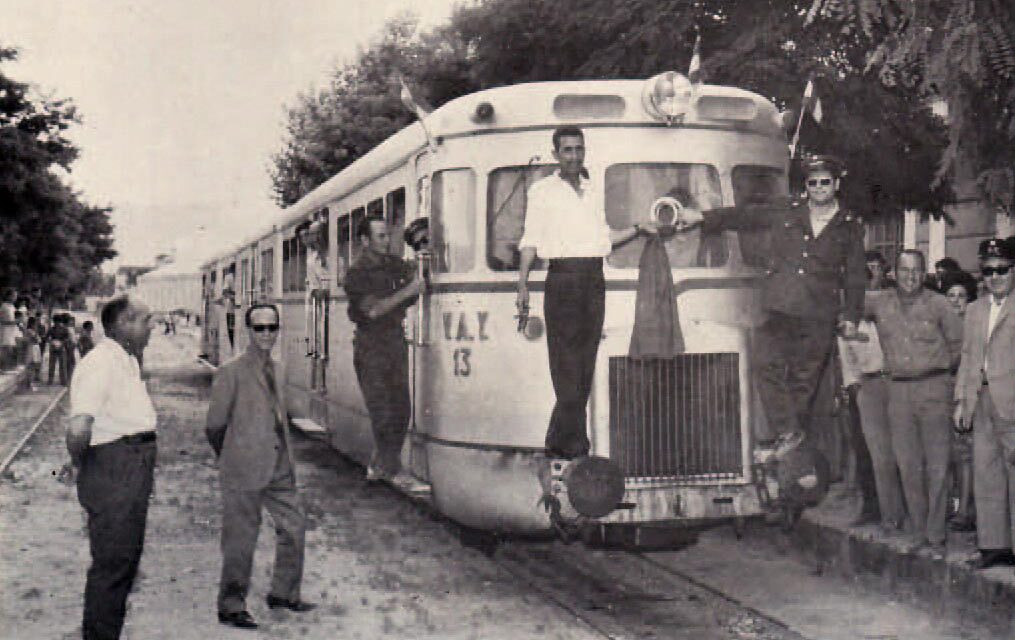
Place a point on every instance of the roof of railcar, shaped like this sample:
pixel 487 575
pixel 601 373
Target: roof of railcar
pixel 515 106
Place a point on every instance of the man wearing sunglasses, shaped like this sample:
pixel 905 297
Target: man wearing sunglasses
pixel 985 403
pixel 248 428
pixel 815 276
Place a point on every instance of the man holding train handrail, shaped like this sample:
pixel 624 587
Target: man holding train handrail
pixel 565 223
pixel 815 278
pixel 381 287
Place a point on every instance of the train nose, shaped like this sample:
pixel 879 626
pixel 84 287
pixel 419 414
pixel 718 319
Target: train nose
pixel 595 486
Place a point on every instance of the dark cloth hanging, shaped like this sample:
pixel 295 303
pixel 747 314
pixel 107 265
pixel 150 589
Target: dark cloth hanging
pixel 656 331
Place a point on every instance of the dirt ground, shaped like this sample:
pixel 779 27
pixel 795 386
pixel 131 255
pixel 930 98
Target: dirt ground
pixel 376 566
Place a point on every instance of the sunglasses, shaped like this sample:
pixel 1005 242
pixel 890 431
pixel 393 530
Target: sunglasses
pixel 989 271
pixel 824 182
pixel 260 328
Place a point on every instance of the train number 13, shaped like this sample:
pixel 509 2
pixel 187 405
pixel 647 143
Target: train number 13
pixel 463 366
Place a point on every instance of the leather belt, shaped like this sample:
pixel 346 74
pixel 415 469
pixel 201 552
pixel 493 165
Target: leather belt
pixel 874 374
pixel 138 438
pixel 926 375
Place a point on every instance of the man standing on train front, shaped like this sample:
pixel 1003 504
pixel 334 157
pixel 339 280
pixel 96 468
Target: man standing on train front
pixel 565 223
pixel 815 277
pixel 380 288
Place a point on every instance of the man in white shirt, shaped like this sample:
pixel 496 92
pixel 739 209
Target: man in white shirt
pixel 8 330
pixel 985 402
pixel 111 440
pixel 565 223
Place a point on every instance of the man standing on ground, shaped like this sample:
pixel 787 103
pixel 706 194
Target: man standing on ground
pixel 248 428
pixel 922 341
pixel 86 343
pixel 565 223
pixel 815 278
pixel 985 402
pixel 380 288
pixel 111 440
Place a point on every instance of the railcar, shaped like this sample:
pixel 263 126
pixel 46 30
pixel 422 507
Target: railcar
pixel 677 432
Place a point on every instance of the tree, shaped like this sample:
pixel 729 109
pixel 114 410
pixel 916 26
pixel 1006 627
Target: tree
pixel 960 51
pixel 49 237
pixel 330 129
pixel 888 137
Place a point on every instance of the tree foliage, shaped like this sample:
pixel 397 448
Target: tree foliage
pixel 961 51
pixel 49 237
pixel 888 136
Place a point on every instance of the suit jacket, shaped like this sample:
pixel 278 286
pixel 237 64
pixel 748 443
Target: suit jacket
pixel 241 407
pixel 999 351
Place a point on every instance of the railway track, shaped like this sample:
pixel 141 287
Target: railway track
pixel 20 418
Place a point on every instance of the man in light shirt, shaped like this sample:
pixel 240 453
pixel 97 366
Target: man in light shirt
pixel 985 402
pixel 111 440
pixel 565 223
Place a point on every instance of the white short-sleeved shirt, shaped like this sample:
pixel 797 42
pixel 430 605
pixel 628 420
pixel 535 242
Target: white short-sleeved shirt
pixel 107 385
pixel 561 223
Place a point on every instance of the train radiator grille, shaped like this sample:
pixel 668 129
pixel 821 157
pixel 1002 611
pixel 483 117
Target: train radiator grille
pixel 676 418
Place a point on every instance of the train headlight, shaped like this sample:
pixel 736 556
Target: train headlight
pixel 594 486
pixel 666 96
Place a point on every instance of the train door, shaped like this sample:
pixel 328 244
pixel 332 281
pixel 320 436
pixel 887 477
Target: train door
pixel 318 296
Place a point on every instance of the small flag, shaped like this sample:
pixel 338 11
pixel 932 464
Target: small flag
pixel 410 102
pixel 694 69
pixel 421 113
pixel 812 103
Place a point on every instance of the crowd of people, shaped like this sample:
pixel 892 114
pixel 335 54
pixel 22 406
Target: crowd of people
pixel 932 395
pixel 32 336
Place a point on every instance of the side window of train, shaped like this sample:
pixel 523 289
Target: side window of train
pixel 506 198
pixel 294 265
pixel 631 190
pixel 453 220
pixel 244 297
pixel 395 208
pixel 356 219
pixel 267 282
pixel 343 239
pixel 753 184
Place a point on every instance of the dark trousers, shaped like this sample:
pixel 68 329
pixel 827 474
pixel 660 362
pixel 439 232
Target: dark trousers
pixel 864 464
pixel 382 368
pixel 574 306
pixel 58 359
pixel 113 487
pixel 790 354
pixel 241 522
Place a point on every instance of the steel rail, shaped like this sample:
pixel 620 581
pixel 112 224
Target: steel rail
pixel 31 431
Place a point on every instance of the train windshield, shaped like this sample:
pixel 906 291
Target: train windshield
pixel 632 188
pixel 506 198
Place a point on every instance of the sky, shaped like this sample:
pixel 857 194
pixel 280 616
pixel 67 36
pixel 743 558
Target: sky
pixel 183 102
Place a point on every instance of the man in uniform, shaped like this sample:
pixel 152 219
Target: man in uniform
pixel 815 277
pixel 985 402
pixel 111 440
pixel 565 223
pixel 248 428
pixel 380 288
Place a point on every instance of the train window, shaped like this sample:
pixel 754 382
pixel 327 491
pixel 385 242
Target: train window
pixel 754 184
pixel 301 265
pixel 453 220
pixel 287 267
pixel 506 199
pixel 632 188
pixel 356 219
pixel 267 283
pixel 244 282
pixel 343 238
pixel 395 207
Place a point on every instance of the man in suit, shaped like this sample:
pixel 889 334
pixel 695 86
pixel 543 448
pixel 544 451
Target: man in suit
pixel 248 428
pixel 985 402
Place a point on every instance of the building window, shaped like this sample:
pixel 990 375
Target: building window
pixel 885 235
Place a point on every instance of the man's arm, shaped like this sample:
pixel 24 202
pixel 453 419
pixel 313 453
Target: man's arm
pixel 79 436
pixel 951 326
pixel 374 307
pixel 854 276
pixel 223 395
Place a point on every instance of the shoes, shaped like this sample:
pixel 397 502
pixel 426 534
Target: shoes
pixel 299 606
pixel 238 619
pixel 991 558
pixel 963 525
pixel 890 527
pixel 373 475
